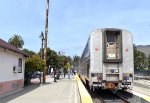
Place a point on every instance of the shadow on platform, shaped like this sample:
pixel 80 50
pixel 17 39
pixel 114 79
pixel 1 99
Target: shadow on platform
pixel 27 89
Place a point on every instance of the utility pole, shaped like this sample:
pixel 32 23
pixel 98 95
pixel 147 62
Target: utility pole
pixel 45 44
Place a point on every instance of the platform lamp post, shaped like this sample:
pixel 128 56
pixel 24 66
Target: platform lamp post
pixel 42 39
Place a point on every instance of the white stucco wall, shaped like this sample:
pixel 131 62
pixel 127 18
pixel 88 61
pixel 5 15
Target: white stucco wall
pixel 8 59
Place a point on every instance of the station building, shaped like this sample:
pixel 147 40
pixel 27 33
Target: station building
pixel 12 65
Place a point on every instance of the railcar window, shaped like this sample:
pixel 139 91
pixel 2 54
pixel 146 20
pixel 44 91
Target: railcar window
pixel 111 37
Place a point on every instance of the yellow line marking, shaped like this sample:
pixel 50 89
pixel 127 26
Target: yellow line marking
pixel 142 96
pixel 85 97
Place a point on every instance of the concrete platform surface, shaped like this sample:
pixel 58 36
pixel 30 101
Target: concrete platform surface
pixel 62 91
pixel 141 88
pixel 142 83
pixel 145 91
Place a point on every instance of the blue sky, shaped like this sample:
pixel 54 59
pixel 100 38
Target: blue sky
pixel 71 21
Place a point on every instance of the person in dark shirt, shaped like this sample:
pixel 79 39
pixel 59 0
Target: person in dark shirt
pixel 54 75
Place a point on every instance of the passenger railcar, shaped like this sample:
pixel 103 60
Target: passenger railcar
pixel 107 60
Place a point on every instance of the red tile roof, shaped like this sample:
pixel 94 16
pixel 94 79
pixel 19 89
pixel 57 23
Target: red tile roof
pixel 10 47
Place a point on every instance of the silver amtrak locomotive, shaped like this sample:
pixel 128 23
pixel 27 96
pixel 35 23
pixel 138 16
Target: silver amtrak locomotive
pixel 107 60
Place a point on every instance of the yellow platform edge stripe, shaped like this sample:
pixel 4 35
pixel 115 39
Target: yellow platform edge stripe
pixel 85 96
pixel 147 98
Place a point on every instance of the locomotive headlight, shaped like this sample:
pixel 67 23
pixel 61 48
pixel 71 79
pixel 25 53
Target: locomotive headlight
pixel 117 71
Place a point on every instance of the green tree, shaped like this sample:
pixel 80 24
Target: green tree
pixel 61 61
pixel 67 66
pixel 149 62
pixel 56 60
pixel 141 61
pixel 16 41
pixel 34 64
pixel 30 52
pixel 76 60
pixel 70 60
pixel 52 59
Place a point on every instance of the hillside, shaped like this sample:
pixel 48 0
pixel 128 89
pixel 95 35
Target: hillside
pixel 144 48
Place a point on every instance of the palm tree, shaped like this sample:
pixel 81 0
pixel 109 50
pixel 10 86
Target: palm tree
pixel 16 41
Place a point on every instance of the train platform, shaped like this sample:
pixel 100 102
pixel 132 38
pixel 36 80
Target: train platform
pixel 141 88
pixel 63 91
pixel 142 83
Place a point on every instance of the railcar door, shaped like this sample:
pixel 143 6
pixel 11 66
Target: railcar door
pixel 112 57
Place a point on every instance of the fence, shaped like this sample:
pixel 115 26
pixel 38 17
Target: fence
pixel 142 74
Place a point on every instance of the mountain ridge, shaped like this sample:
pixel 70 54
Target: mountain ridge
pixel 144 48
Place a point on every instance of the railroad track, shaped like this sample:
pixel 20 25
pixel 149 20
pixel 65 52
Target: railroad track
pixel 98 99
pixel 107 97
pixel 125 100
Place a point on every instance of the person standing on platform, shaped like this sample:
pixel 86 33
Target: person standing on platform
pixel 40 74
pixel 54 74
pixel 68 73
pixel 64 73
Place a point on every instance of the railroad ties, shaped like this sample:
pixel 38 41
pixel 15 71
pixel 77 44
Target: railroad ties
pixel 105 96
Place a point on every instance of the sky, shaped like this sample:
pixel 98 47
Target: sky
pixel 72 21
